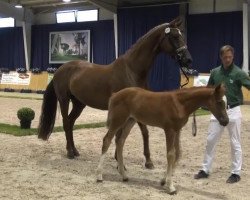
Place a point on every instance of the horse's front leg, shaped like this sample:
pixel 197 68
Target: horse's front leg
pixel 144 131
pixel 171 158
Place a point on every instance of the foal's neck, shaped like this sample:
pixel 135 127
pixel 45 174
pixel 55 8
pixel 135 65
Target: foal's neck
pixel 194 98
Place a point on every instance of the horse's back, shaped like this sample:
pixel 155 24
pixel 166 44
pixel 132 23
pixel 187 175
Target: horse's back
pixel 67 70
pixel 87 82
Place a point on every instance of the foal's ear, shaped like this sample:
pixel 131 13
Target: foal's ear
pixel 219 91
pixel 175 23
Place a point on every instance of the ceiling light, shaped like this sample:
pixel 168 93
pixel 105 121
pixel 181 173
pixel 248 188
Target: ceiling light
pixel 66 1
pixel 18 6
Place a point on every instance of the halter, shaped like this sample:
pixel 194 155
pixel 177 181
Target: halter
pixel 178 50
pixel 181 49
pixel 178 53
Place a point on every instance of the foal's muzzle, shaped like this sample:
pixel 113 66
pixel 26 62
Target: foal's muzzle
pixel 224 121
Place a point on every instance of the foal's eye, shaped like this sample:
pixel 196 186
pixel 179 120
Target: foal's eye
pixel 222 103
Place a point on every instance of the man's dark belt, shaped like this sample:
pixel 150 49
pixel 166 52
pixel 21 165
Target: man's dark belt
pixel 232 105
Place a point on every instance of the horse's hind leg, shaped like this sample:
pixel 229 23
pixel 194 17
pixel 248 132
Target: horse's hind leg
pixel 148 164
pixel 64 105
pixel 68 123
pixel 77 108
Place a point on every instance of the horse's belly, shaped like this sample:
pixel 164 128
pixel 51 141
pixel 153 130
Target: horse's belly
pixel 92 98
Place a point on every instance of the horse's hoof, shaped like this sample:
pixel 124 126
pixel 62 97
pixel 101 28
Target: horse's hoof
pixel 163 182
pixel 149 165
pixel 76 153
pixel 125 179
pixel 70 156
pixel 99 181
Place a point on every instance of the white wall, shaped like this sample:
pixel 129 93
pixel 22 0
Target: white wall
pixel 207 6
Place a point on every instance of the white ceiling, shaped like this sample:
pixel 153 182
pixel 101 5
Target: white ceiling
pixel 47 6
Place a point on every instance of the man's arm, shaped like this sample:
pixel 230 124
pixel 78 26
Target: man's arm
pixel 245 80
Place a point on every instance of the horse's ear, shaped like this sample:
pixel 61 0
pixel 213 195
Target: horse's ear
pixel 220 91
pixel 175 23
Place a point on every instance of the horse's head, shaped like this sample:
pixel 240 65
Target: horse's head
pixel 173 43
pixel 217 105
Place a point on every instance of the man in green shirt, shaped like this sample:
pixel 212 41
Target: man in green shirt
pixel 233 78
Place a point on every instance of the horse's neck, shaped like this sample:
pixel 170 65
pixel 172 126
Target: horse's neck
pixel 194 98
pixel 142 55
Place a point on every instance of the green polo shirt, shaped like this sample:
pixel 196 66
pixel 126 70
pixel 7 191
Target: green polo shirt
pixel 233 78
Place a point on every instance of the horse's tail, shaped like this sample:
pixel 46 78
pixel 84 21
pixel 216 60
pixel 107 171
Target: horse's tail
pixel 48 112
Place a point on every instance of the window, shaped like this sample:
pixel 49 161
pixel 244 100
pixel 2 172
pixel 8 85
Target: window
pixel 79 16
pixel 87 15
pixel 7 22
pixel 68 16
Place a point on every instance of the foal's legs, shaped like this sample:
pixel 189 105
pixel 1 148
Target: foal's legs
pixel 149 164
pixel 120 144
pixel 171 158
pixel 116 122
pixel 105 146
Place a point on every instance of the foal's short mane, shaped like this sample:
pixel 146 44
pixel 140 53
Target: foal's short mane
pixel 193 89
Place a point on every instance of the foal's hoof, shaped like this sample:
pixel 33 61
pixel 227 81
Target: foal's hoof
pixel 125 179
pixel 173 192
pixel 163 182
pixel 149 165
pixel 125 169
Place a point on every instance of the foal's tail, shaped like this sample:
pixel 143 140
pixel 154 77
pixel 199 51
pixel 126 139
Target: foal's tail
pixel 48 112
pixel 111 102
pixel 109 113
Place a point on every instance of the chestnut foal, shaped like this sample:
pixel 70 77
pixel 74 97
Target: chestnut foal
pixel 167 110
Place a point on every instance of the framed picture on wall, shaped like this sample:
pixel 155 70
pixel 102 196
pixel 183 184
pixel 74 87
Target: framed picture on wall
pixel 65 46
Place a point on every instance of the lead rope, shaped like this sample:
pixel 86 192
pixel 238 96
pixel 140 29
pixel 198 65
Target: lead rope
pixel 194 126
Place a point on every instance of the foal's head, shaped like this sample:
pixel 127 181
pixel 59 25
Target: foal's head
pixel 217 105
pixel 173 43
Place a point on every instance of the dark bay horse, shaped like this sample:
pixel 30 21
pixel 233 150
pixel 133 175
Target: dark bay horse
pixel 167 110
pixel 85 83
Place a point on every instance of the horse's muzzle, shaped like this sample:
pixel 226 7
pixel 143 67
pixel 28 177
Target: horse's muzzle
pixel 185 59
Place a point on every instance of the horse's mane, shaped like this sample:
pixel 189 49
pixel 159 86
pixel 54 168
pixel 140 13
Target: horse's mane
pixel 146 36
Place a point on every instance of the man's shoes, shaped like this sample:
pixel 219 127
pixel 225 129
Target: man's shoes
pixel 234 178
pixel 201 174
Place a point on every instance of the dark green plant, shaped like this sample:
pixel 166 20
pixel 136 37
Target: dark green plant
pixel 26 115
